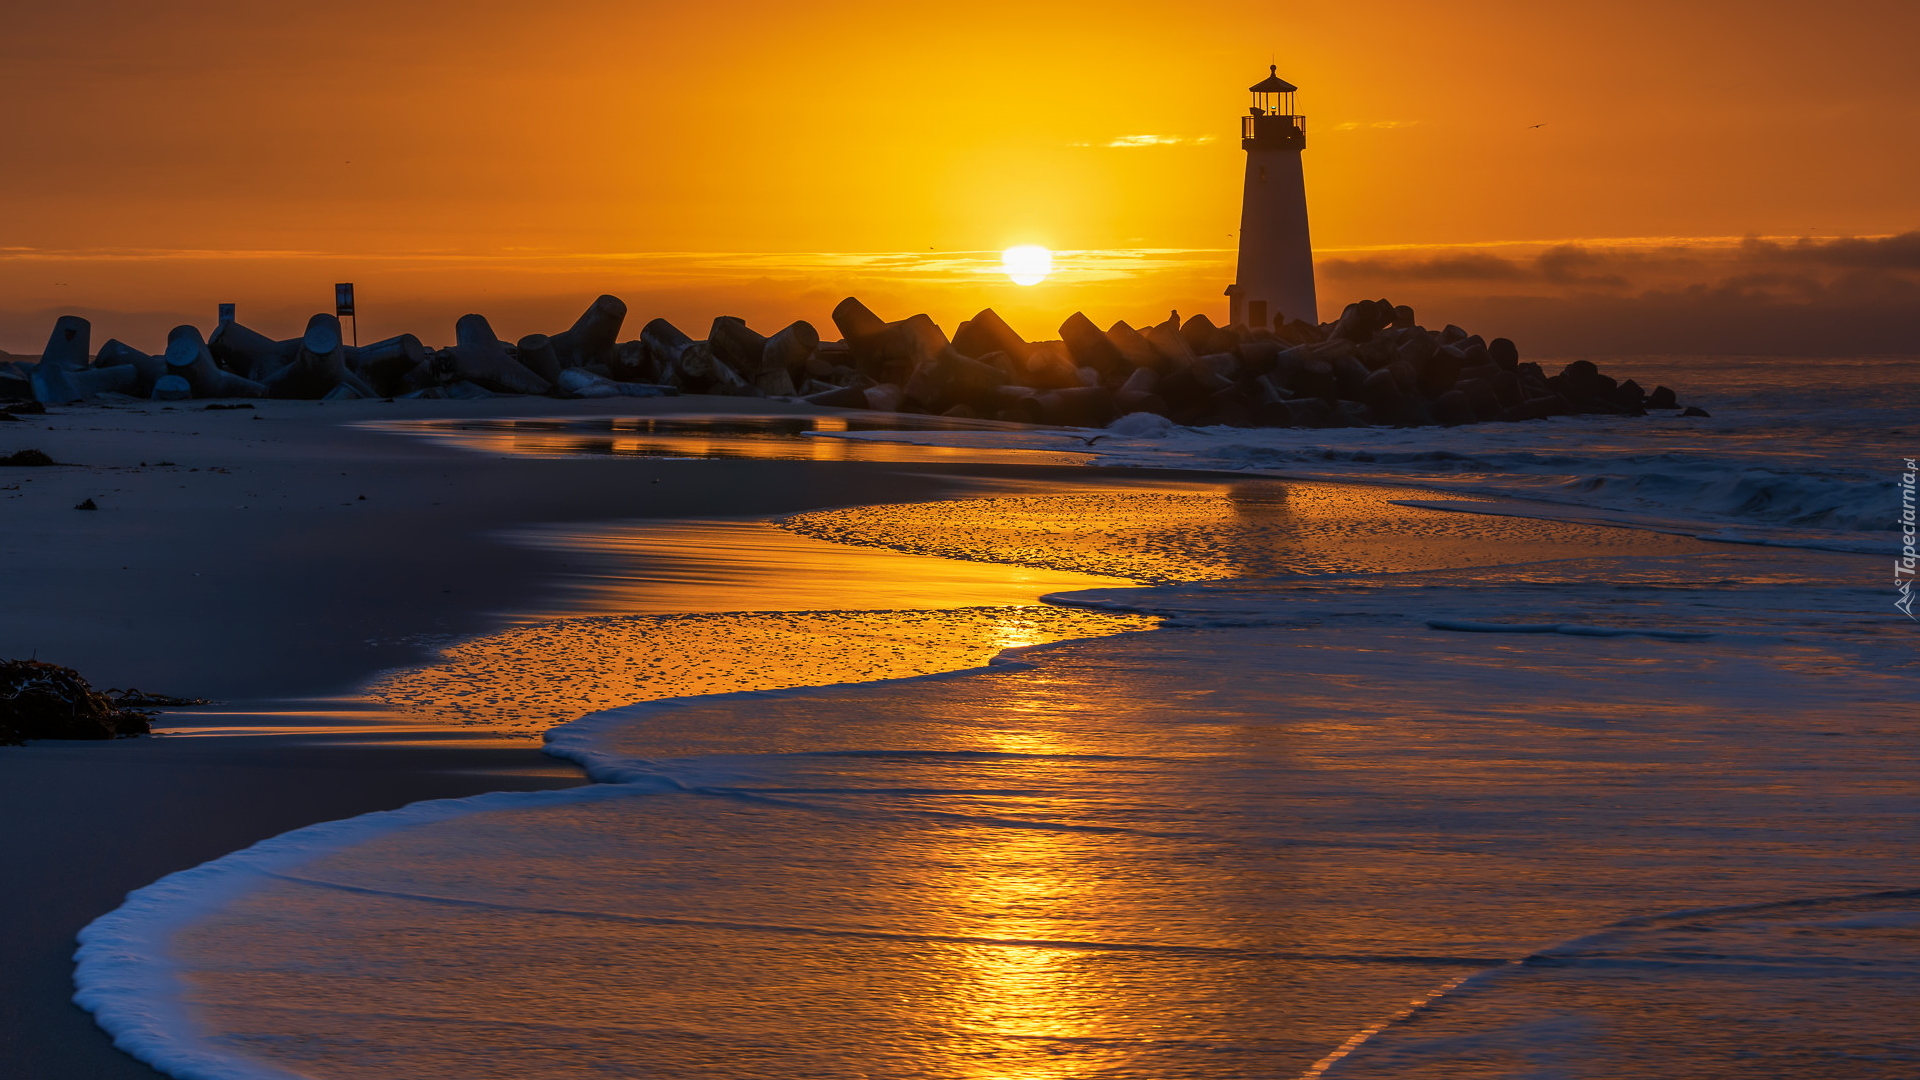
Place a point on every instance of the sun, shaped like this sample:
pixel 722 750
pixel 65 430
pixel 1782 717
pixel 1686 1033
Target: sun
pixel 1028 264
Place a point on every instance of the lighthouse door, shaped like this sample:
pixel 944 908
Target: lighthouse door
pixel 1257 314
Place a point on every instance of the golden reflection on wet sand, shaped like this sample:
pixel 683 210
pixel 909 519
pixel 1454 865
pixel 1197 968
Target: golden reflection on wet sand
pixel 765 438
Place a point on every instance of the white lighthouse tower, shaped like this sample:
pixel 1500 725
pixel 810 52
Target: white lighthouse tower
pixel 1275 277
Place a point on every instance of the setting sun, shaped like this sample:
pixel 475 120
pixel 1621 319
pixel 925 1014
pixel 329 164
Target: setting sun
pixel 1028 264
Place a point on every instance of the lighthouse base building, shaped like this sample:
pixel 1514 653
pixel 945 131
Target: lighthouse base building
pixel 1274 282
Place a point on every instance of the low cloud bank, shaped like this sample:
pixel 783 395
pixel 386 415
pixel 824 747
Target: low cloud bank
pixel 1803 298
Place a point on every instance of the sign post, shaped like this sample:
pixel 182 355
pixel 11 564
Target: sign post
pixel 343 307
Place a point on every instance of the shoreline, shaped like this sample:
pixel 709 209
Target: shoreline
pixel 396 768
pixel 208 605
pixel 206 542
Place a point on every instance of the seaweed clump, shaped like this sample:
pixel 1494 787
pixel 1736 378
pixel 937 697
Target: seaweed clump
pixel 46 701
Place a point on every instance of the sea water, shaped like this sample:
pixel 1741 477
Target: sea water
pixel 1394 786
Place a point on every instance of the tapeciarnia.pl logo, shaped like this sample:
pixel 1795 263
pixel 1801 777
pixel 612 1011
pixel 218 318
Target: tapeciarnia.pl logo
pixel 1903 567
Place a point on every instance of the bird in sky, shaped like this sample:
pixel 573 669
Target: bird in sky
pixel 1539 125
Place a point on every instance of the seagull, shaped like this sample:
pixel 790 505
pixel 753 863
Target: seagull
pixel 1089 441
pixel 1539 125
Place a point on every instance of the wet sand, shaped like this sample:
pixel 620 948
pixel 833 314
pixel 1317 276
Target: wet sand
pixel 247 567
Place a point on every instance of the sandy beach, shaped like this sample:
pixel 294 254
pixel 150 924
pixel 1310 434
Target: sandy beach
pixel 233 557
pixel 534 563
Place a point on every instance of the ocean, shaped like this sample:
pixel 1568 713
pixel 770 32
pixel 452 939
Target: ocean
pixel 1579 748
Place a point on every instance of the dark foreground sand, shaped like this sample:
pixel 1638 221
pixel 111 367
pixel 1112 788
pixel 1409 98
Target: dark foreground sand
pixel 251 569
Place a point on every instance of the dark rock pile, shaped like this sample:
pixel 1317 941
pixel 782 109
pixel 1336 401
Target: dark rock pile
pixel 47 701
pixel 1373 365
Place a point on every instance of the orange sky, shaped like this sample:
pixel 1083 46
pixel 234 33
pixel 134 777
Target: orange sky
pixel 451 156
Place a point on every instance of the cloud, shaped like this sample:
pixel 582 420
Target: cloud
pixel 1372 125
pixel 1127 142
pixel 1850 296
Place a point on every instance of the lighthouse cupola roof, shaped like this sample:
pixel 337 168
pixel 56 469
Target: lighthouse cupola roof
pixel 1273 83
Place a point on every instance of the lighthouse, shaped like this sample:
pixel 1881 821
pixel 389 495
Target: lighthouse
pixel 1275 277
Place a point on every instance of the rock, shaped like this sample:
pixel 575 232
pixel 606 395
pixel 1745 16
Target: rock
pixel 319 365
pixel 70 344
pixel 187 356
pixel 962 412
pixel 1135 351
pixel 171 388
pixel 891 353
pixel 248 353
pixel 465 391
pixel 1257 357
pixel 1453 408
pixel 791 348
pixel 342 392
pixel 1137 401
pixel 116 353
pixel 1311 413
pixel 1089 345
pixel 1405 378
pixel 26 459
pixel 737 345
pixel 1482 396
pixel 775 383
pixel 1079 406
pixel 632 362
pixel 855 320
pixel 953 379
pixel 1695 410
pixel 1504 353
pixel 840 397
pixel 591 339
pixel 1535 408
pixel 1452 334
pixel 665 346
pixel 1349 375
pixel 66 354
pixel 480 358
pixel 583 383
pixel 1417 349
pixel 1629 396
pixel 1169 343
pixel 1203 337
pixel 46 701
pixel 1307 375
pixel 536 353
pixel 1359 322
pixel 1228 407
pixel 1662 398
pixel 59 386
pixel 1049 367
pixel 1142 381
pixel 1437 376
pixel 987 333
pixel 1381 392
pixel 884 397
pixel 1402 317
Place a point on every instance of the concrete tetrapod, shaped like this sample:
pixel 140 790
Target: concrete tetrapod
pixel 249 353
pixel 188 357
pixel 147 369
pixel 481 358
pixel 318 366
pixel 593 336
